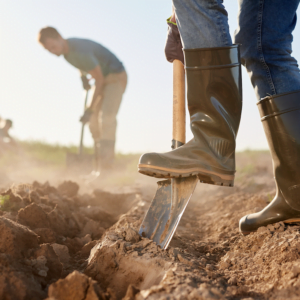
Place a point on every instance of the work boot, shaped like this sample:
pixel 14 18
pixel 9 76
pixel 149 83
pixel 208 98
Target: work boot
pixel 97 146
pixel 214 96
pixel 106 154
pixel 280 115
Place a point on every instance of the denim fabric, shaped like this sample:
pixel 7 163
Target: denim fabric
pixel 202 23
pixel 264 32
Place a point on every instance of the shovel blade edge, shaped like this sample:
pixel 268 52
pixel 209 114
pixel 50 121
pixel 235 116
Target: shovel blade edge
pixel 158 212
pixel 166 209
pixel 182 191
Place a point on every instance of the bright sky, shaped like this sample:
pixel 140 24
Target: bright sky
pixel 42 94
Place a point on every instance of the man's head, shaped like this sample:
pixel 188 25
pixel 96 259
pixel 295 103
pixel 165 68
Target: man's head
pixel 52 41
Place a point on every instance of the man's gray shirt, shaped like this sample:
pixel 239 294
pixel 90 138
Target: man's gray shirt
pixel 86 55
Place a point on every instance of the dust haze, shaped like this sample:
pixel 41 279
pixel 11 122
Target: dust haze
pixel 61 230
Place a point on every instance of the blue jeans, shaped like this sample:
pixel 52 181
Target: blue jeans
pixel 264 31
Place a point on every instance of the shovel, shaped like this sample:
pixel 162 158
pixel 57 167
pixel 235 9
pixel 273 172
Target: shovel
pixel 80 159
pixel 172 195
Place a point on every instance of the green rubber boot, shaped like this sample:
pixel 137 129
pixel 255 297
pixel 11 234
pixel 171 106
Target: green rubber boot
pixel 280 115
pixel 214 95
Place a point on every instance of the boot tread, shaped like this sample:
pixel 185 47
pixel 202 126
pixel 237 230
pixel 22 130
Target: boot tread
pixel 203 177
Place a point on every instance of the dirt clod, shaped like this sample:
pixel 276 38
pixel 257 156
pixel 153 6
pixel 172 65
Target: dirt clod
pixel 11 201
pixel 33 216
pixel 131 235
pixel 53 264
pixel 17 283
pixel 86 249
pixel 131 292
pixel 16 239
pixel 68 188
pixel 46 235
pixel 62 252
pixel 75 286
pixel 58 222
pixel 93 228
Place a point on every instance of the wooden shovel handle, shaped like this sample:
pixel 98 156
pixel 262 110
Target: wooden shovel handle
pixel 178 102
pixel 82 126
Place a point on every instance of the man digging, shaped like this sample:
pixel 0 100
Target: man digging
pixel 213 73
pixel 110 84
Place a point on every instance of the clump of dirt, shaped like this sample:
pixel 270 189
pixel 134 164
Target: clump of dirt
pixel 266 260
pixel 76 286
pixel 68 188
pixel 136 268
pixel 122 258
pixel 46 234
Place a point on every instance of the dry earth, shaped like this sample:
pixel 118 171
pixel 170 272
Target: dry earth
pixel 67 244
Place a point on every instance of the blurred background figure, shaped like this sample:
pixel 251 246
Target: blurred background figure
pixel 5 126
pixel 6 141
pixel 110 84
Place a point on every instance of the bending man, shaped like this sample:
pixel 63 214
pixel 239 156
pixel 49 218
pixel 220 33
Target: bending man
pixel 110 84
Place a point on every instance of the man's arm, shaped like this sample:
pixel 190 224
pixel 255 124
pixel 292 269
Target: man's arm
pixel 97 74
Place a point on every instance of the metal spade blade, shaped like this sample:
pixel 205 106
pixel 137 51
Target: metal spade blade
pixel 172 196
pixel 167 208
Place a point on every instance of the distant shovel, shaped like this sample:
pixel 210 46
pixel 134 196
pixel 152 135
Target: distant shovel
pixel 172 195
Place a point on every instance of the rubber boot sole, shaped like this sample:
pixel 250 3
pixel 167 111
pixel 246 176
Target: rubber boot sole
pixel 289 221
pixel 204 176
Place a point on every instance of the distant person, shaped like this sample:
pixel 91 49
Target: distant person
pixel 5 126
pixel 6 141
pixel 110 84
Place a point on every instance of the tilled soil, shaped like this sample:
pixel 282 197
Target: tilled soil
pixel 56 243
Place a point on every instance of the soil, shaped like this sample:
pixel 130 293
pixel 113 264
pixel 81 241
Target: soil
pixel 60 243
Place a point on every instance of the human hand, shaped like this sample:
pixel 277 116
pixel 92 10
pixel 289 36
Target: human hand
pixel 86 116
pixel 173 47
pixel 85 83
